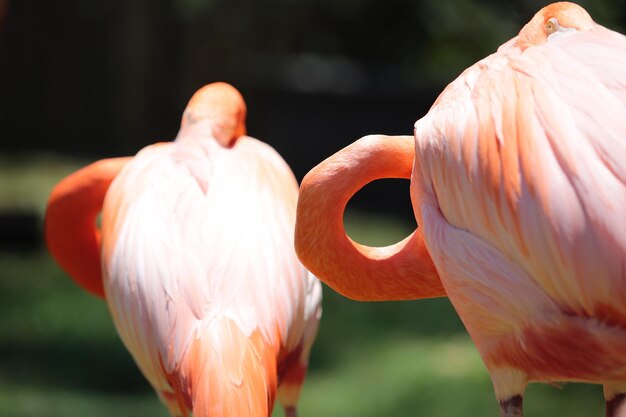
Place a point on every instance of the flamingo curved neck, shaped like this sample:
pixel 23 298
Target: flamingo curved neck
pixel 398 272
pixel 70 224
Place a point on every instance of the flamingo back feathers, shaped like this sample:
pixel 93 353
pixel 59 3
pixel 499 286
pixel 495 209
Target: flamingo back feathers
pixel 198 241
pixel 537 133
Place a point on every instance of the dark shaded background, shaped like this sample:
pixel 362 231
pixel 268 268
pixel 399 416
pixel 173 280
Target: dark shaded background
pixel 102 78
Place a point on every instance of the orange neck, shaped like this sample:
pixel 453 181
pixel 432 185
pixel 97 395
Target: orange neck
pixel 398 272
pixel 72 235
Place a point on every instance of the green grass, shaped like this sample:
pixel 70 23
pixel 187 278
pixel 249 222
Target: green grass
pixel 60 355
pixel 26 180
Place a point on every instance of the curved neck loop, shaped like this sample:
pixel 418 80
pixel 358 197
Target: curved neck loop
pixel 397 272
pixel 71 233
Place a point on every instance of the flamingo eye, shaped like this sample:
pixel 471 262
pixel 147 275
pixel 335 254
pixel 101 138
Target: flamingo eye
pixel 551 26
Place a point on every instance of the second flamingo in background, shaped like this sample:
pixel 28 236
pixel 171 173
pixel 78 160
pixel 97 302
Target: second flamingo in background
pixel 197 260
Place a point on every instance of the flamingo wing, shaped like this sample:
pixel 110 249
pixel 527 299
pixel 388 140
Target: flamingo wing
pixel 201 275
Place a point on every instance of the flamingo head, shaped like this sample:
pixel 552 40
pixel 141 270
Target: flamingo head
pixel 553 20
pixel 221 107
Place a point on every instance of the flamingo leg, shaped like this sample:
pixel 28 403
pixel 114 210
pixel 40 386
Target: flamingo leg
pixel 291 412
pixel 511 407
pixel 614 405
pixel 615 397
pixel 509 385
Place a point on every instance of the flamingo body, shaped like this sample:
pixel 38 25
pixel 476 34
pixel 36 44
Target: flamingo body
pixel 535 266
pixel 199 270
pixel 519 190
pixel 200 275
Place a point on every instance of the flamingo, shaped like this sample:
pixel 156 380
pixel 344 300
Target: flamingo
pixel 518 185
pixel 195 260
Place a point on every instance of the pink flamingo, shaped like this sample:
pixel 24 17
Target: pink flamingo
pixel 196 262
pixel 518 183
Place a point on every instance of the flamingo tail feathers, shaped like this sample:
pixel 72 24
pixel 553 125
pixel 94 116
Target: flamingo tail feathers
pixel 227 373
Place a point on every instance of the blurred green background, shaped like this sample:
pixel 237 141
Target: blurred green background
pixel 86 79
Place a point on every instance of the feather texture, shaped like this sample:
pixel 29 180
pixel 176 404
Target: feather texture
pixel 518 185
pixel 200 272
pixel 538 134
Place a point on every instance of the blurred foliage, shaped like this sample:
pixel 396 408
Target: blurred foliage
pixel 26 180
